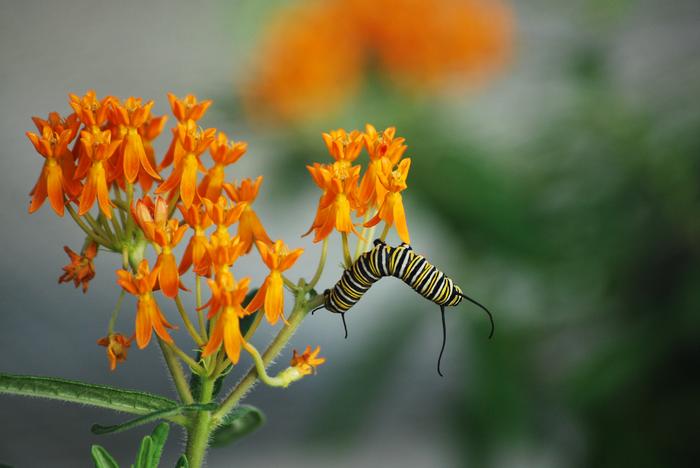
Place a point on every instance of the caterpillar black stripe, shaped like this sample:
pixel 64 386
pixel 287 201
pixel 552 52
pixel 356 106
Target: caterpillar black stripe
pixel 403 263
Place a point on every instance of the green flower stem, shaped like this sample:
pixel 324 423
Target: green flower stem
pixel 90 233
pixel 181 385
pixel 188 323
pixel 321 264
pixel 301 309
pixel 346 251
pixel 385 232
pixel 200 312
pixel 99 229
pixel 129 219
pixel 186 359
pixel 198 435
pixel 115 313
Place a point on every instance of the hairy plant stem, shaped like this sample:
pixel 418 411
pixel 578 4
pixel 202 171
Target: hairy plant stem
pixel 198 433
pixel 181 385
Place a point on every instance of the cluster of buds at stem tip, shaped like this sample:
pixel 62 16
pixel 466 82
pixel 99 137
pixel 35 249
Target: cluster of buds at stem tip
pixel 100 165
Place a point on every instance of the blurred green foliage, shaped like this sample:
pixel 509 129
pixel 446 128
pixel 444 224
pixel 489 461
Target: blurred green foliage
pixel 602 212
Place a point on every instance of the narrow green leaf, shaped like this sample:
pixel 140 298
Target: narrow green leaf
pixel 154 416
pixel 159 437
pixel 103 396
pixel 102 458
pixel 238 423
pixel 143 459
pixel 182 462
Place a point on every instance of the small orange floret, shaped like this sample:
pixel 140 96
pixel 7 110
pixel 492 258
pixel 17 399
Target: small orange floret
pixel 167 233
pixel 271 294
pixel 307 362
pixel 117 346
pixel 228 299
pixel 223 152
pixel 192 142
pixel 130 117
pixel 250 229
pixel 339 183
pixel 81 269
pixel 197 250
pixel 53 180
pixel 149 317
pixel 98 148
pixel 392 211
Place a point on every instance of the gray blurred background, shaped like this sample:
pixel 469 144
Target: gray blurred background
pixel 572 212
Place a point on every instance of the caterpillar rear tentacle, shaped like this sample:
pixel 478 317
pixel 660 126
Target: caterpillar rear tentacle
pixel 403 263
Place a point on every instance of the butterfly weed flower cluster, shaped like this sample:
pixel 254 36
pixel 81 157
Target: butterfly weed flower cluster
pixel 101 167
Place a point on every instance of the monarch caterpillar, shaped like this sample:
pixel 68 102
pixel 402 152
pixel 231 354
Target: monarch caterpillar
pixel 403 263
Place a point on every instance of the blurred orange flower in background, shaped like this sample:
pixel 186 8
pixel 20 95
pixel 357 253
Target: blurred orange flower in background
pixel 315 63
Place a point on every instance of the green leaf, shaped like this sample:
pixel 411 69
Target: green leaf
pixel 143 459
pixel 102 396
pixel 102 458
pixel 182 462
pixel 159 437
pixel 154 416
pixel 238 423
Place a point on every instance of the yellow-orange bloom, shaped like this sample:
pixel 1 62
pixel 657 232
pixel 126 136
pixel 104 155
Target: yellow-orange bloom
pixel 379 146
pixel 117 346
pixel 343 146
pixel 98 148
pixel 271 294
pixel 197 250
pixel 223 153
pixel 193 142
pixel 167 233
pixel 148 315
pixel 53 182
pixel 223 214
pixel 81 269
pixel 250 229
pixel 307 361
pixel 149 131
pixel 130 116
pixel 392 211
pixel 339 183
pixel 91 111
pixel 184 109
pixel 227 328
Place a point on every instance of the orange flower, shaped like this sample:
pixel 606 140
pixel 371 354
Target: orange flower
pixel 339 183
pixel 392 211
pixel 306 363
pixel 81 269
pixel 197 250
pixel 117 346
pixel 98 149
pixel 53 181
pixel 193 143
pixel 149 131
pixel 379 146
pixel 250 228
pixel 148 315
pixel 91 111
pixel 227 328
pixel 271 293
pixel 184 109
pixel 222 153
pixel 130 117
pixel 223 214
pixel 343 146
pixel 167 233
